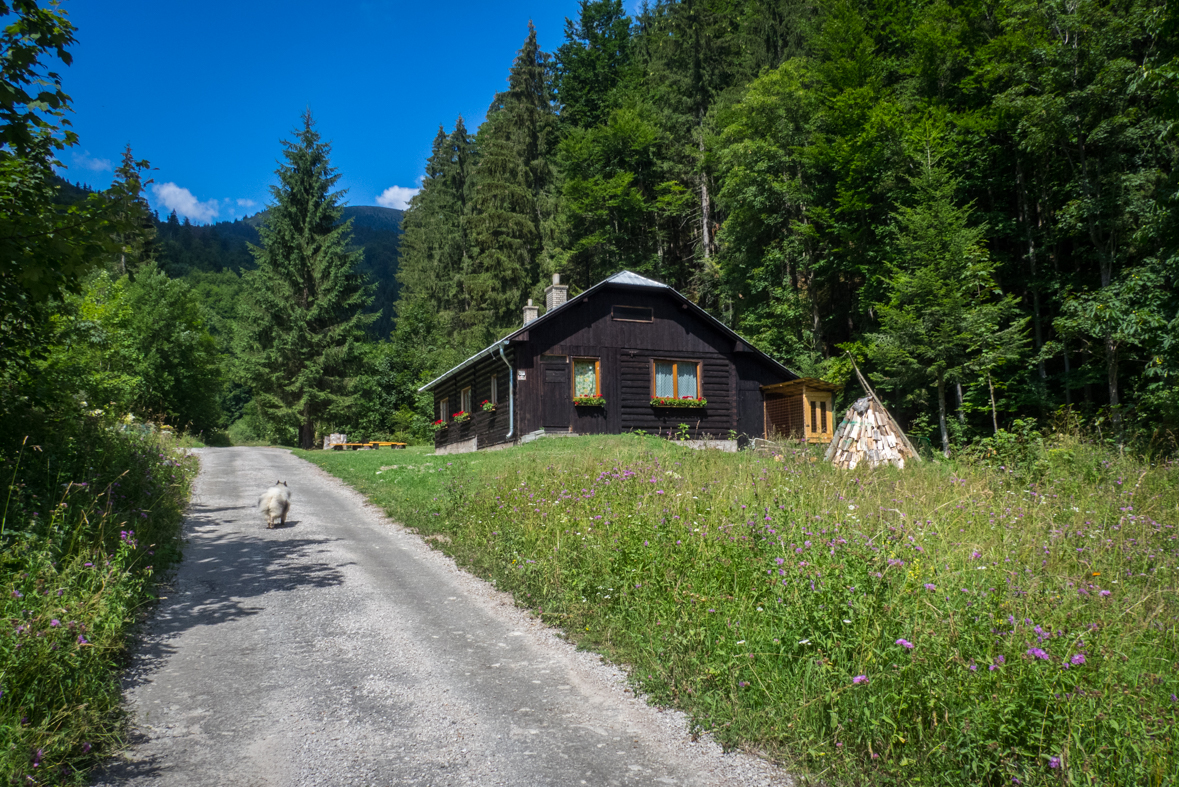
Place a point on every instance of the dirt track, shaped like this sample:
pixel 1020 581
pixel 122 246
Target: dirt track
pixel 342 650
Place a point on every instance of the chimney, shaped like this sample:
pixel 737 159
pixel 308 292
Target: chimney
pixel 555 294
pixel 530 312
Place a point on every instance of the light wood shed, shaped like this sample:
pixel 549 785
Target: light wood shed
pixel 800 409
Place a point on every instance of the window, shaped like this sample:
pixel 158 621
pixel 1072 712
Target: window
pixel 465 400
pixel 819 417
pixel 632 314
pixel 587 378
pixel 494 398
pixel 677 379
pixel 554 359
pixel 444 411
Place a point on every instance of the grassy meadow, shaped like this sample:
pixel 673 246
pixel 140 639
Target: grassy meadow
pixel 952 623
pixel 90 519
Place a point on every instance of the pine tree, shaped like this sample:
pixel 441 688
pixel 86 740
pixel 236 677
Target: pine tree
pixel 594 59
pixel 434 243
pixel 305 301
pixel 943 303
pixel 136 233
pixel 513 202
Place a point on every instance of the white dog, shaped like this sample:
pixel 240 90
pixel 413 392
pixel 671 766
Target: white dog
pixel 274 503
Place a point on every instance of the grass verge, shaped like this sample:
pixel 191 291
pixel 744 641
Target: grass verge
pixel 952 623
pixel 90 517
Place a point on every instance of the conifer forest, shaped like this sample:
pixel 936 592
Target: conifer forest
pixel 976 201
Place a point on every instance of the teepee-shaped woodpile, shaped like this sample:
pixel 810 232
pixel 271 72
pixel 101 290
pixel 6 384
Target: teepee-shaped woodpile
pixel 868 434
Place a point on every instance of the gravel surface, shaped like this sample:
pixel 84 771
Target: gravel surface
pixel 342 650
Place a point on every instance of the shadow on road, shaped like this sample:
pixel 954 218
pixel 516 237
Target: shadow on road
pixel 224 574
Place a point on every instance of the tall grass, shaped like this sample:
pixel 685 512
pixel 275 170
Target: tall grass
pixel 950 623
pixel 90 517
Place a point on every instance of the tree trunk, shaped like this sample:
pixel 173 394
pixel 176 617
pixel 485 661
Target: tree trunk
pixel 961 410
pixel 1026 217
pixel 1068 391
pixel 941 413
pixel 1111 367
pixel 994 410
pixel 307 430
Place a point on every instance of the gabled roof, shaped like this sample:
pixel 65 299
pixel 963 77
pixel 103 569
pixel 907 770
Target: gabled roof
pixel 620 279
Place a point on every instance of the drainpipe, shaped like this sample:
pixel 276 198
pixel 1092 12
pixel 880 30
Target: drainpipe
pixel 511 393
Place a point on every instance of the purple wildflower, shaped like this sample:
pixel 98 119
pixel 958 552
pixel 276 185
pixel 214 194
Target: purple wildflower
pixel 860 679
pixel 1053 762
pixel 1077 660
pixel 54 623
pixel 1038 653
pixel 930 587
pixel 904 643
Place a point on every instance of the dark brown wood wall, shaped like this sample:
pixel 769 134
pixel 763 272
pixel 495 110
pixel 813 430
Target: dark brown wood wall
pixel 730 378
pixel 626 350
pixel 491 428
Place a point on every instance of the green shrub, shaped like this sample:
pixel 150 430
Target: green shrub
pixel 91 516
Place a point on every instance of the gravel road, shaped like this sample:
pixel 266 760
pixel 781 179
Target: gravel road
pixel 342 650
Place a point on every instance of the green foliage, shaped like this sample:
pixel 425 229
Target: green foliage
pixel 771 597
pixel 593 62
pixel 133 346
pixel 942 302
pixel 91 517
pixel 303 316
pixel 512 205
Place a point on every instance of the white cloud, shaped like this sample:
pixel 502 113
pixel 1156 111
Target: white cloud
pixel 86 161
pixel 246 203
pixel 396 197
pixel 184 203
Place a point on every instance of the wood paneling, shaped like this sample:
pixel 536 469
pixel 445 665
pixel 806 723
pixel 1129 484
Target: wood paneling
pixel 730 376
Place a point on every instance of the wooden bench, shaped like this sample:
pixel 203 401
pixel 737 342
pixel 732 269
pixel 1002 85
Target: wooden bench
pixel 379 444
pixel 357 446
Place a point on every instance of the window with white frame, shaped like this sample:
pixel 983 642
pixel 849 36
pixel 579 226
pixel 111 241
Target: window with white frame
pixel 494 397
pixel 444 410
pixel 465 400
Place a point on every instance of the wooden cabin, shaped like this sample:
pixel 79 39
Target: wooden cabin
pixel 802 409
pixel 627 354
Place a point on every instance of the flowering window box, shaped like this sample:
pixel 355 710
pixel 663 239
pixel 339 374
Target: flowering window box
pixel 439 425
pixel 487 406
pixel 589 401
pixel 461 417
pixel 687 401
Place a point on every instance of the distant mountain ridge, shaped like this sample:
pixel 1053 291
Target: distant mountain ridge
pixel 187 248
pixel 184 248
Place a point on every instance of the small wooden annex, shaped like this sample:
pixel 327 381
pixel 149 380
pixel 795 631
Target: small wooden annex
pixel 801 409
pixel 609 360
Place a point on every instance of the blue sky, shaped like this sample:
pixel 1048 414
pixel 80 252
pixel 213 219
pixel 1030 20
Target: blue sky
pixel 206 90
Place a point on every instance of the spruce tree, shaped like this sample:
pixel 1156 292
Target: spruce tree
pixel 136 229
pixel 944 304
pixel 305 303
pixel 592 62
pixel 434 243
pixel 513 202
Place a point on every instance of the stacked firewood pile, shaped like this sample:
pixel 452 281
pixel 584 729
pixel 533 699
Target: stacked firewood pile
pixel 868 434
